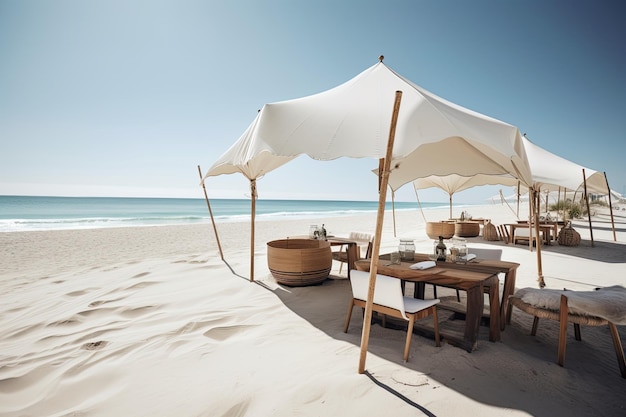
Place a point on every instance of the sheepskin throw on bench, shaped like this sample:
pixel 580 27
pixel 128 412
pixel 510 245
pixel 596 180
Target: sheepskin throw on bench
pixel 608 303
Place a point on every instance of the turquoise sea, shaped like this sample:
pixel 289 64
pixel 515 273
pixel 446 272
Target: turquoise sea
pixel 24 213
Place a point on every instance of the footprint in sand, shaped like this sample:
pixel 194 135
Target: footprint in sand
pixel 142 274
pixel 97 312
pixel 94 345
pixel 67 322
pixel 143 284
pixel 223 333
pixel 100 302
pixel 136 312
pixel 81 292
pixel 76 293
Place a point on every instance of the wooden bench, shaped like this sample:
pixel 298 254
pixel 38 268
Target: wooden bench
pixel 564 316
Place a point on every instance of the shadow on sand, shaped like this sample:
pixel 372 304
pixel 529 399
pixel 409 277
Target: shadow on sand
pixel 516 373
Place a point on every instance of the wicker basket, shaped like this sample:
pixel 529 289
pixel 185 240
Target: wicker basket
pixel 443 229
pixel 299 262
pixel 489 231
pixel 568 236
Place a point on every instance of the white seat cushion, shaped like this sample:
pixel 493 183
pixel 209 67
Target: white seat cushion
pixel 413 305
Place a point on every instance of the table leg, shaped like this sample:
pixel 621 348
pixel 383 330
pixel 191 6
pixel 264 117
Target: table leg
pixel 475 304
pixel 509 289
pixel 419 290
pixel 494 309
pixel 511 233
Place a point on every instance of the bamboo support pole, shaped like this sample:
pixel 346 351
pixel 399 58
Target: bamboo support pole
pixel 538 240
pixel 518 196
pixel 419 203
pixel 531 215
pixel 558 204
pixel 384 181
pixel 588 211
pixel 564 202
pixel 206 197
pixel 610 207
pixel 253 196
pixel 393 211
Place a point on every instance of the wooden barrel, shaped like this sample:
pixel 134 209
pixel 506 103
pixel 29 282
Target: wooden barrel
pixel 299 262
pixel 466 229
pixel 443 229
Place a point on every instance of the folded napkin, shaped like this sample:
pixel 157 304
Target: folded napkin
pixel 423 265
pixel 469 257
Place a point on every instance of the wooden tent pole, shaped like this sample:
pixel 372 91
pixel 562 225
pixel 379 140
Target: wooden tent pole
pixel 450 202
pixel 206 197
pixel 588 211
pixel 538 240
pixel 518 196
pixel 381 166
pixel 531 214
pixel 558 204
pixel 564 202
pixel 367 318
pixel 253 196
pixel 393 211
pixel 610 207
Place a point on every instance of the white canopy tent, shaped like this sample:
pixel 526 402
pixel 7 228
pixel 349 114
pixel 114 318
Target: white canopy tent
pixel 357 120
pixel 433 136
pixel 454 183
pixel 550 174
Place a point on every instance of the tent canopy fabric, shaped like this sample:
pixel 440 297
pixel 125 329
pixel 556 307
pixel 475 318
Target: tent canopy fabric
pixel 433 136
pixel 454 183
pixel 551 172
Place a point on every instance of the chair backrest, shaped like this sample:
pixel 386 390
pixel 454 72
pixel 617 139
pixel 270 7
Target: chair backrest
pixel 493 254
pixel 360 237
pixel 388 291
pixel 364 240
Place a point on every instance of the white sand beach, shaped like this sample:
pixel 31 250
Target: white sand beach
pixel 151 322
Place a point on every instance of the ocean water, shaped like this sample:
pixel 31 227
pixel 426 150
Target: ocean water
pixel 24 213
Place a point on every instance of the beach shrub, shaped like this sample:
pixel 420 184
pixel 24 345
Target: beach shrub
pixel 574 211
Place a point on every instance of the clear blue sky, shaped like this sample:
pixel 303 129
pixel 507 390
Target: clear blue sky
pixel 123 97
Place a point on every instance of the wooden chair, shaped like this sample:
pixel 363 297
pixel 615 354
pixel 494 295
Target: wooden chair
pixel 493 254
pixel 362 239
pixel 503 233
pixel 389 300
pixel 523 234
pixel 563 316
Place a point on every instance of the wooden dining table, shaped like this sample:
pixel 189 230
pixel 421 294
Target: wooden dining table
pixel 489 266
pixel 546 228
pixel 474 283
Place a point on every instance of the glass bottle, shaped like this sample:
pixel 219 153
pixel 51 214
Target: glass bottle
pixel 440 250
pixel 407 250
pixel 323 233
pixel 462 246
